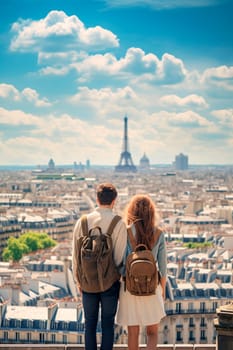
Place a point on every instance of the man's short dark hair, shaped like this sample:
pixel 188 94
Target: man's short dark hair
pixel 106 193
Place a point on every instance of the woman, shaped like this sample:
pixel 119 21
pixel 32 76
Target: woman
pixel 135 311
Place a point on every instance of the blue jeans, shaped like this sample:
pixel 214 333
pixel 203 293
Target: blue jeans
pixel 108 302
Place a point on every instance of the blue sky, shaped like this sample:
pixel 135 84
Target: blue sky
pixel 72 69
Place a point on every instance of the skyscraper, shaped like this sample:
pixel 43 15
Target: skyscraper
pixel 181 162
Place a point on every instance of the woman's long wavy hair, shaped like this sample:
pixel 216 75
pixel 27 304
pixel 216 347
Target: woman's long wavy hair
pixel 141 212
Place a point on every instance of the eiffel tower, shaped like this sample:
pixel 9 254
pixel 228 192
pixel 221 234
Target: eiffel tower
pixel 125 164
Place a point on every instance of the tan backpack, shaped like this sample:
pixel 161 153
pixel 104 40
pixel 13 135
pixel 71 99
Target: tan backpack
pixel 96 270
pixel 142 276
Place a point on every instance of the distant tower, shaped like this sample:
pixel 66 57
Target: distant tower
pixel 88 164
pixel 181 162
pixel 51 164
pixel 125 163
pixel 144 162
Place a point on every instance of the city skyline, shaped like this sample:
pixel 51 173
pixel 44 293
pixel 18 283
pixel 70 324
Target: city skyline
pixel 71 71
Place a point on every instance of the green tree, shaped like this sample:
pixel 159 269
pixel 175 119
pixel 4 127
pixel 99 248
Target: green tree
pixel 28 242
pixel 32 240
pixel 46 243
pixel 15 250
pixel 6 255
pixel 197 245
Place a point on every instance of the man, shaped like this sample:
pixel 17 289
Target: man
pixel 107 300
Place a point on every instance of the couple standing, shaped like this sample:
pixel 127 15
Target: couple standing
pixel 130 310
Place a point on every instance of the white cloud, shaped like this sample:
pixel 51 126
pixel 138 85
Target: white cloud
pixel 187 101
pixel 224 116
pixel 171 69
pixel 91 65
pixel 219 77
pixel 63 137
pixel 137 62
pixel 163 4
pixel 59 32
pixel 191 118
pixel 136 65
pixel 98 105
pixel 56 71
pixel 104 96
pixel 9 91
pixel 186 119
pixel 17 117
pixel 32 96
pixel 145 67
pixel 59 57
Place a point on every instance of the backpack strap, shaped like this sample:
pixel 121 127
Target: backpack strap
pixel 84 225
pixel 111 227
pixel 113 223
pixel 156 236
pixel 133 242
pixel 131 238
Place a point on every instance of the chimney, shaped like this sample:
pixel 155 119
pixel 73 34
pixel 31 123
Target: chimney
pixel 34 285
pixel 3 307
pixel 218 282
pixel 52 309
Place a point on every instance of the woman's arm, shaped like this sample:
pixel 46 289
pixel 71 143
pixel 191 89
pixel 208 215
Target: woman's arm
pixel 163 285
pixel 162 262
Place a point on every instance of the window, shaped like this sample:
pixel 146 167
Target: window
pixel 72 326
pixel 64 339
pixel 212 292
pixel 203 335
pixel 6 323
pixel 202 307
pixel 191 336
pixel 80 339
pixel 24 324
pixel 53 338
pixel 36 324
pixel 200 293
pixel 191 322
pixel 179 336
pixel 42 324
pixel 203 324
pixel 214 306
pixel 178 307
pixel 17 323
pixel 223 292
pixel 41 337
pixel 65 325
pixel 214 336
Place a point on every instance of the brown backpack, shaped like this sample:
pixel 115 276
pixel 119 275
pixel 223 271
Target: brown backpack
pixel 142 276
pixel 96 270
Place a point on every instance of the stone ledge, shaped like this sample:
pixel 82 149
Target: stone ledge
pixel 116 347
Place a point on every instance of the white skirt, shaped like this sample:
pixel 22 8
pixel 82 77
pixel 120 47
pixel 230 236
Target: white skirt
pixel 140 310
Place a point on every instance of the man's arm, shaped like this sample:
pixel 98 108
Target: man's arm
pixel 119 238
pixel 76 234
